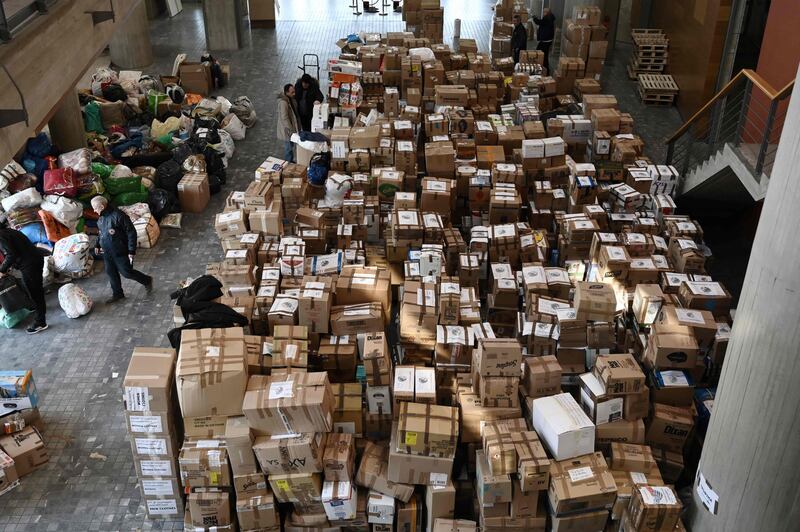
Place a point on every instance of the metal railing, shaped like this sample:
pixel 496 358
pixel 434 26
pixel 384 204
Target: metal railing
pixel 15 14
pixel 747 115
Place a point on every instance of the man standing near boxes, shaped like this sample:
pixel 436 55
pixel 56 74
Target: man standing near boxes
pixel 519 38
pixel 545 35
pixel 288 123
pixel 117 241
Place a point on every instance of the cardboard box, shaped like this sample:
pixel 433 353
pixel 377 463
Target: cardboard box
pixel 654 508
pixel 498 357
pixel 340 500
pixel 348 414
pixel 354 319
pixel 239 442
pixel 581 484
pixel 541 376
pixel 339 457
pixel 619 373
pixel 632 457
pixel 300 453
pixel 204 464
pixel 164 507
pixel 598 405
pixel 364 285
pixel 9 479
pixel 250 485
pixel 563 427
pixel 533 464
pixel 428 430
pixel 196 78
pixel 211 372
pixel 26 449
pixel 440 502
pixel 416 469
pixel 626 481
pixel 619 431
pixel 492 489
pixel 454 525
pixel 257 512
pixel 669 427
pixel 579 522
pixel 380 509
pixel 292 403
pixel 209 509
pixel 373 473
pixel 595 301
pixel 671 347
pixel 194 192
pixel 297 487
pixel 314 303
pixel 149 383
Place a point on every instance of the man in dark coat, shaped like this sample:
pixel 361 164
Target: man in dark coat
pixel 307 93
pixel 545 34
pixel 118 244
pixel 519 38
pixel 21 254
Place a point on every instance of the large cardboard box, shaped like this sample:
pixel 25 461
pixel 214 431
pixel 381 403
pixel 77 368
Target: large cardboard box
pixel 357 285
pixel 26 449
pixel 428 430
pixel 353 319
pixel 595 301
pixel 373 473
pixel 498 357
pixel 632 457
pixel 299 453
pixel 671 347
pixel 581 484
pixel 149 383
pixel 194 192
pixel 195 78
pixel 292 403
pixel 563 427
pixel 211 373
pixel 416 469
pixel 209 509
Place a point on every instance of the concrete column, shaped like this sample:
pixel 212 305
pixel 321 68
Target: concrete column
pixel 66 126
pixel 751 456
pixel 222 20
pixel 130 45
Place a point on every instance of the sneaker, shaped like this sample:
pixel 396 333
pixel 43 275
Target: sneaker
pixel 35 328
pixel 114 299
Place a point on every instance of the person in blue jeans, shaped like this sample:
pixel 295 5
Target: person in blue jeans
pixel 117 242
pixel 288 122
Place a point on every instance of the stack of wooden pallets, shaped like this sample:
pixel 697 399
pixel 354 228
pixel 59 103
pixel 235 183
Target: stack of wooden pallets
pixel 650 52
pixel 657 89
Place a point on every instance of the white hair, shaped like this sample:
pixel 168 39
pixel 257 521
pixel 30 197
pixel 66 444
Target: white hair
pixel 99 201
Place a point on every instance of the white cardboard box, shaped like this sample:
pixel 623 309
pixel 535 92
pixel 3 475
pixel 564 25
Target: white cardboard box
pixel 340 500
pixel 598 406
pixel 380 508
pixel 564 428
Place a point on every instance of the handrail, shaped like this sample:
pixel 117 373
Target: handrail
pixel 757 80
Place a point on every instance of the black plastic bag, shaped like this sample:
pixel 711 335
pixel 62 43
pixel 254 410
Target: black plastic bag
pixel 168 175
pixel 162 202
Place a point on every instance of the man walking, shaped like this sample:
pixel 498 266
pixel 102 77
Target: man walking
pixel 21 254
pixel 519 38
pixel 287 123
pixel 545 35
pixel 118 244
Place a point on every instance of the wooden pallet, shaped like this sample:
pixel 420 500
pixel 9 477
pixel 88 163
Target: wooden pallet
pixel 651 53
pixel 646 31
pixel 657 89
pixel 649 60
pixel 657 99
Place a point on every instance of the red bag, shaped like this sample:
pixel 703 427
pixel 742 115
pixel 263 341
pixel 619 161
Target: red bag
pixel 60 182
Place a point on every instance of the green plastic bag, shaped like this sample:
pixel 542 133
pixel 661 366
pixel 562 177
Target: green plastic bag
pixel 9 321
pixel 129 198
pixel 92 120
pixel 103 170
pixel 153 99
pixel 121 185
pixel 165 141
pixel 81 225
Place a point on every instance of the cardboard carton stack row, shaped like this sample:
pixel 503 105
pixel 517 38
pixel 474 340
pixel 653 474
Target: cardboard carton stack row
pixel 584 37
pixel 481 319
pixel 22 448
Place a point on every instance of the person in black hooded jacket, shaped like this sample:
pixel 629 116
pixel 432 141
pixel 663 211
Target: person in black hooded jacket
pixel 545 34
pixel 307 93
pixel 519 38
pixel 21 254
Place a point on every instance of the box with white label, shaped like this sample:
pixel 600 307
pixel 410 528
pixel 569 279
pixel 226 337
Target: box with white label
pixel 164 507
pixel 340 500
pixel 600 408
pixel 564 428
pixel 149 382
pixel 145 445
pixel 160 487
pixel 581 484
pixel 380 508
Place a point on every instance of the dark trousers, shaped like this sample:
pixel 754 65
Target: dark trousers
pixel 116 266
pixel 32 279
pixel 516 55
pixel 545 47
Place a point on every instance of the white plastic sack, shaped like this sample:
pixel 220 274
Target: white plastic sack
pixel 48 271
pixel 24 199
pixel 226 141
pixel 224 105
pixel 74 300
pixel 423 54
pixel 336 188
pixel 71 256
pixel 187 124
pixel 136 211
pixel 147 231
pixel 121 171
pixel 67 211
pixel 234 126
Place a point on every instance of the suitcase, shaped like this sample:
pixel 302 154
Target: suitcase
pixel 60 182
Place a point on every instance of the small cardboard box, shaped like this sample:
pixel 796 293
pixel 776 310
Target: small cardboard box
pixel 354 319
pixel 427 430
pixel 257 512
pixel 149 383
pixel 598 405
pixel 619 373
pixel 373 473
pixel 296 487
pixel 564 428
pixel 541 376
pixel 380 509
pixel 583 483
pixel 348 416
pixel 209 509
pixel 292 403
pixel 440 502
pixel 204 464
pixel 300 453
pixel 671 347
pixel 9 479
pixel 498 357
pixel 194 192
pixel 339 457
pixel 654 508
pixel 414 468
pixel 533 464
pixel 492 489
pixel 669 427
pixel 454 525
pixel 632 457
pixel 340 500
pixel 595 301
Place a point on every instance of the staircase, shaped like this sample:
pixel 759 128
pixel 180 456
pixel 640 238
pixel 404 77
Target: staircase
pixel 729 145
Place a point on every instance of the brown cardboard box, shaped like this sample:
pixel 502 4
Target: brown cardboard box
pixel 454 525
pixel 672 346
pixel 492 489
pixel 474 414
pixel 353 319
pixel 637 406
pixel 292 403
pixel 669 427
pixel 373 470
pixel 257 512
pixel 364 285
pixel 626 481
pixel 26 449
pixel 211 372
pixel 595 301
pixel 250 484
pixel 377 360
pixel 314 304
pixel 533 464
pixel 231 223
pixel 581 484
pixel 301 453
pixel 149 423
pixel 416 469
pixel 339 357
pixel 578 522
pixel 499 449
pixel 348 414
pixel 209 509
pixel 654 508
pixel 428 430
pixel 296 487
pixel 195 78
pixel 339 457
pixel 619 373
pixel 498 357
pixel 440 502
pixel 149 383
pixel 204 464
pixel 524 504
pixel 9 479
pixel 541 376
pixel 499 391
pixel 193 192
pixel 619 431
pixel 701 322
pixel 364 137
pixel 632 457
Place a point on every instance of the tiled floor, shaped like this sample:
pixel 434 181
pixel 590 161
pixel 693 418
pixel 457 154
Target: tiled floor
pixel 89 483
